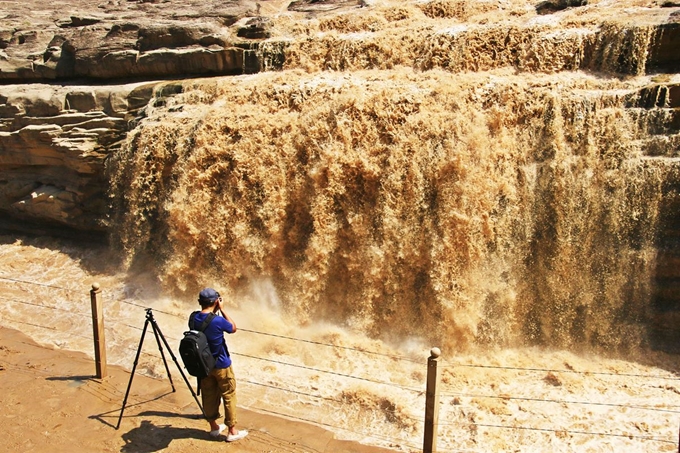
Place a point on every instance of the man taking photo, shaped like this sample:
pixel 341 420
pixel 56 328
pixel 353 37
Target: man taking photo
pixel 220 384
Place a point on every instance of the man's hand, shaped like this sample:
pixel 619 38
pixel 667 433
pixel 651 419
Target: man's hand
pixel 218 306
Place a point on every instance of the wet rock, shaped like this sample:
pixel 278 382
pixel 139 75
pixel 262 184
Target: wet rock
pixel 323 5
pixel 77 22
pixel 663 95
pixel 256 28
pixel 663 54
pixel 552 6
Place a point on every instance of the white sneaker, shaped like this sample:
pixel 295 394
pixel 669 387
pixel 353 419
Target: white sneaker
pixel 239 435
pixel 217 432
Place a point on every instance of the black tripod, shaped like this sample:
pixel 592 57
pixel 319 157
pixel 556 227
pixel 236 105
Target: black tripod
pixel 159 335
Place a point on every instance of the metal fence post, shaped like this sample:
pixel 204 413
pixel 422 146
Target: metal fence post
pixel 432 402
pixel 98 330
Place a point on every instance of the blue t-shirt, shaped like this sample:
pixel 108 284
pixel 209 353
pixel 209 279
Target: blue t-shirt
pixel 215 335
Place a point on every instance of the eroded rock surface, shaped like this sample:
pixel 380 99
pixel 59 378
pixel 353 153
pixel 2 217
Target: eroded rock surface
pixel 53 145
pixel 119 39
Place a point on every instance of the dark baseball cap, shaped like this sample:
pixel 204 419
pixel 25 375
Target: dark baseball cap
pixel 208 294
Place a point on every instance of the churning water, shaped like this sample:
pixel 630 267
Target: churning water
pixel 465 209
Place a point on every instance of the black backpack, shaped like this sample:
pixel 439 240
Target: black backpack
pixel 194 348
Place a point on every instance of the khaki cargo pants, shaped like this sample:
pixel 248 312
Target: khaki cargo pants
pixel 220 384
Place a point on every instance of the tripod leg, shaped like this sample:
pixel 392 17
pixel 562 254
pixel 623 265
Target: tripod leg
pixel 174 359
pixel 165 362
pixel 132 373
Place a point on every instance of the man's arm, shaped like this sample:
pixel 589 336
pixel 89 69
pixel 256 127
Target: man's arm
pixel 219 308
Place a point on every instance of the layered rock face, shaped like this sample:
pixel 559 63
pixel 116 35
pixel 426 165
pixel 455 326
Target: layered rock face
pixel 74 82
pixel 54 143
pixel 78 78
pixel 121 40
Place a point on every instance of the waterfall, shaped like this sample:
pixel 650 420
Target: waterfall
pixel 487 208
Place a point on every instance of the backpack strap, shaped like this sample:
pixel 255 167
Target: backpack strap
pixel 208 319
pixel 204 325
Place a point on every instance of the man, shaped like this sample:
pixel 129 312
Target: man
pixel 220 383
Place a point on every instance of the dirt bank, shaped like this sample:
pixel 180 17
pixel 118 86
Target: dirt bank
pixel 51 402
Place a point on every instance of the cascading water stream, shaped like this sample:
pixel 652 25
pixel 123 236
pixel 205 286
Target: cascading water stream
pixel 492 208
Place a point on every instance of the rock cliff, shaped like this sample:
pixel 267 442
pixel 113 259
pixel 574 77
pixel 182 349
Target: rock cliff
pixel 75 76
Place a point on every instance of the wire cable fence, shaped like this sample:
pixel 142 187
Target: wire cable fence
pixel 557 370
pixel 566 402
pixel 562 431
pixel 113 323
pixel 568 431
pixel 346 348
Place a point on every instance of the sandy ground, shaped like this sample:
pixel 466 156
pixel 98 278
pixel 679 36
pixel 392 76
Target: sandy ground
pixel 52 402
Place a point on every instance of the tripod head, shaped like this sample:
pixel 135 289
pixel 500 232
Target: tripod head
pixel 149 314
